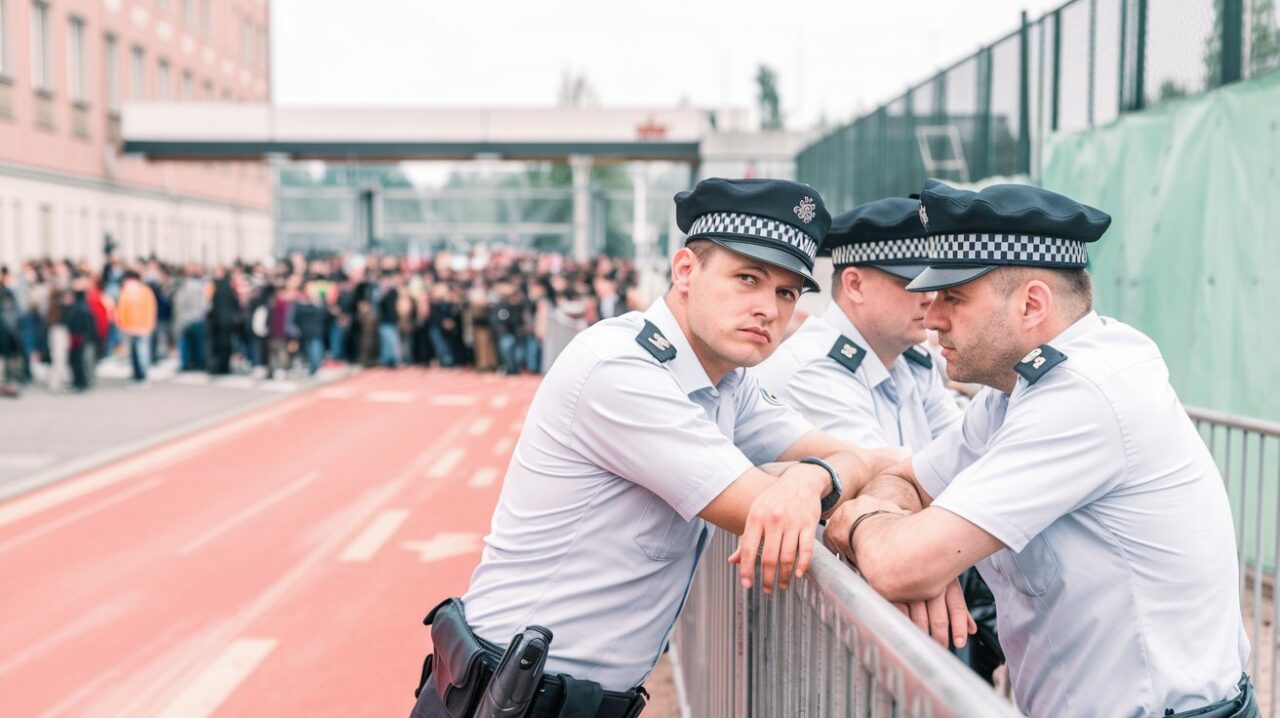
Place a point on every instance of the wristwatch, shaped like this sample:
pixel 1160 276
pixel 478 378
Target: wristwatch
pixel 831 499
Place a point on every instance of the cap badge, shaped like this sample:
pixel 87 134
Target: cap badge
pixel 806 210
pixel 924 216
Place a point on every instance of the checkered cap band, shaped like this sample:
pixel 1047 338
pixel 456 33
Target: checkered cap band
pixel 1022 249
pixel 914 248
pixel 752 226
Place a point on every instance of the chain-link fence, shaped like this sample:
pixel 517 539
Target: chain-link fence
pixel 1077 67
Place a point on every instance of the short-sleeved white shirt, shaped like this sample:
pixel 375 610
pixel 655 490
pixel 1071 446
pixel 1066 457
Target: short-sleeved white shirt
pixel 905 404
pixel 1118 594
pixel 596 534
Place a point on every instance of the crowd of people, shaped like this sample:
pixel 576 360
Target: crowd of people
pixel 505 311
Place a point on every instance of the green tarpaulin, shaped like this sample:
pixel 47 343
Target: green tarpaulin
pixel 1193 255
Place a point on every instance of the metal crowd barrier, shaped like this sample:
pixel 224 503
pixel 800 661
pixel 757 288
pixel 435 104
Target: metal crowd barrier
pixel 828 646
pixel 1248 455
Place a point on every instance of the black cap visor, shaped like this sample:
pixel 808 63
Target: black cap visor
pixel 934 278
pixel 902 271
pixel 776 256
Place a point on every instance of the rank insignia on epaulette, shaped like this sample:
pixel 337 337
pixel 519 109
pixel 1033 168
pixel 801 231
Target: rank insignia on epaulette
pixel 1038 362
pixel 919 355
pixel 847 353
pixel 653 342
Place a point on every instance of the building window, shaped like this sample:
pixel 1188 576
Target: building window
pixel 75 59
pixel 162 80
pixel 4 37
pixel 137 74
pixel 112 65
pixel 40 60
pixel 188 87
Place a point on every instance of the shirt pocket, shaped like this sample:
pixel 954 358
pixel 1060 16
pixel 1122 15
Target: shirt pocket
pixel 661 533
pixel 1035 570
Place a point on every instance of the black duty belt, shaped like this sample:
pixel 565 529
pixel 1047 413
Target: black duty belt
pixel 462 663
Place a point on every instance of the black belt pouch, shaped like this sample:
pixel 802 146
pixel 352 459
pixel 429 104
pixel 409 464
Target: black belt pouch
pixel 461 665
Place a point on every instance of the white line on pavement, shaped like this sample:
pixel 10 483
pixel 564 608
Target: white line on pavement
pixel 179 450
pixel 78 514
pixel 503 446
pixel 483 478
pixel 212 687
pixel 499 401
pixel 479 426
pixel 271 500
pixel 448 461
pixel 374 536
pixel 453 400
pixel 85 689
pixel 390 397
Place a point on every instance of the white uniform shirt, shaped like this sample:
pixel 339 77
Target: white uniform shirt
pixel 1118 592
pixel 596 534
pixel 906 404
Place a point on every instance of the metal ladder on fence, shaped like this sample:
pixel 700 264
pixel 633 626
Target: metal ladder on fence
pixel 935 166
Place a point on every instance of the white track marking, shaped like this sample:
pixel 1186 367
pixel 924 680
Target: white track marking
pixel 390 397
pixel 445 544
pixel 366 545
pixel 212 687
pixel 179 450
pixel 78 514
pixel 271 500
pixel 499 401
pixel 97 615
pixel 480 426
pixel 88 688
pixel 453 400
pixel 503 446
pixel 448 461
pixel 483 478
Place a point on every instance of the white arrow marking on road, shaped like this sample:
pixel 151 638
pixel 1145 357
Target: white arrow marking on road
pixel 212 687
pixel 483 478
pixel 366 545
pixel 445 544
pixel 480 426
pixel 447 463
pixel 503 446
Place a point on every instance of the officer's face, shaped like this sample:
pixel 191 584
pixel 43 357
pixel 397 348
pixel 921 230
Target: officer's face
pixel 737 308
pixel 894 313
pixel 975 323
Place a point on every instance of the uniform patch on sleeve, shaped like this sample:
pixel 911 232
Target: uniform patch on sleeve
pixel 770 397
pixel 847 353
pixel 919 355
pixel 1038 362
pixel 653 342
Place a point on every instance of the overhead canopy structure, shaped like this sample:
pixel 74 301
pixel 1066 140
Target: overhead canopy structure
pixel 202 131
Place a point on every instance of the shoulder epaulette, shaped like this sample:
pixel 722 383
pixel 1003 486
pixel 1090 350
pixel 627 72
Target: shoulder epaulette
pixel 653 342
pixel 919 355
pixel 1038 362
pixel 847 353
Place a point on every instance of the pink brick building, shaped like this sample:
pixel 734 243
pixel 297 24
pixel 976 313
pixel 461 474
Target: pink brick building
pixel 66 69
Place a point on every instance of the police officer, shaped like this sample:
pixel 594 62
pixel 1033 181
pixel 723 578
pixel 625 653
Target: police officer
pixel 1076 482
pixel 646 430
pixel 858 373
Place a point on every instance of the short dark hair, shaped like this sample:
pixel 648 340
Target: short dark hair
pixel 1075 283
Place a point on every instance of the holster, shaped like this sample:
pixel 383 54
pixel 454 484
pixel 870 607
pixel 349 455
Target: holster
pixel 460 663
pixel 1242 706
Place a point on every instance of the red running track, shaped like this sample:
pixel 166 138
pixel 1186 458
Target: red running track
pixel 280 564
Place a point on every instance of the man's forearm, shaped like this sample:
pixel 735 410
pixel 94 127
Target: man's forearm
pixel 897 489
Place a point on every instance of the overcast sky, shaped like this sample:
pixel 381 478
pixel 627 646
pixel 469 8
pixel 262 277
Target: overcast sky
pixel 833 59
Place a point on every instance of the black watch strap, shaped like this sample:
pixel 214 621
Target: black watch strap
pixel 833 497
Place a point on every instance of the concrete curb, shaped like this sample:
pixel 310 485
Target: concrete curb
pixel 68 469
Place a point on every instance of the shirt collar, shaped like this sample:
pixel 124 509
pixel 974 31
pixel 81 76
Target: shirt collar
pixel 835 316
pixel 1082 326
pixel 686 367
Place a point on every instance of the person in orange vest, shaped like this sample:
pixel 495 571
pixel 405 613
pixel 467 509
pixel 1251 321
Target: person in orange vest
pixel 136 320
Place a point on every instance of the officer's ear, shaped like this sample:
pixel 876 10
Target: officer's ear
pixel 849 280
pixel 1037 303
pixel 683 263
